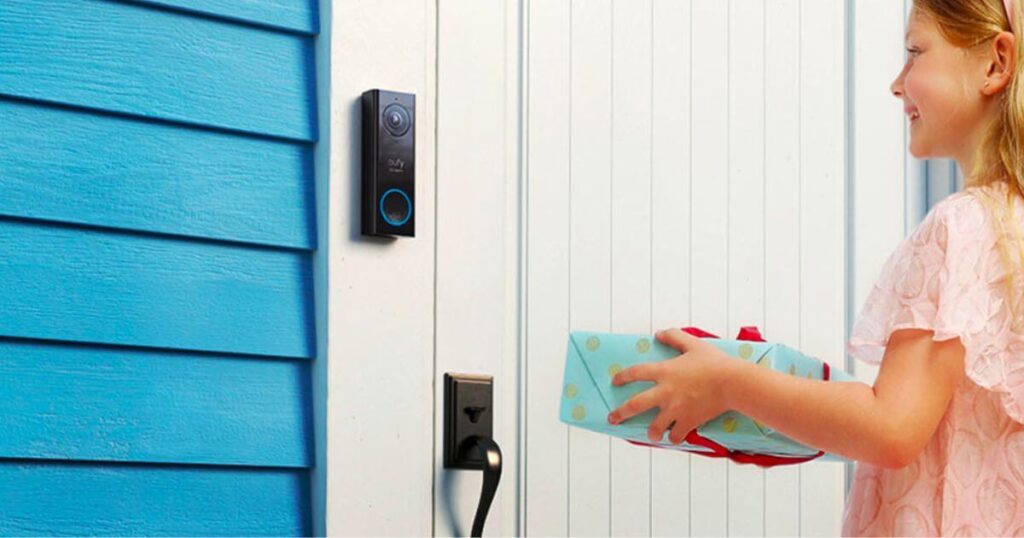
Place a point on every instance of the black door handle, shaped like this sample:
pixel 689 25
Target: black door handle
pixel 469 435
pixel 491 455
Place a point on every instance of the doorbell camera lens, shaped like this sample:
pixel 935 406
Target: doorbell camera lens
pixel 396 119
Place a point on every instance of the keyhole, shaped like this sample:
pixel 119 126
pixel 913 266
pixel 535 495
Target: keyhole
pixel 474 413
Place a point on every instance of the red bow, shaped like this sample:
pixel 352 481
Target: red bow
pixel 719 451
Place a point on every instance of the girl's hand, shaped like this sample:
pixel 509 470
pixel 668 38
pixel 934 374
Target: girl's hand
pixel 689 388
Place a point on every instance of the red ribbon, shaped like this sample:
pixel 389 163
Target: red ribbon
pixel 719 451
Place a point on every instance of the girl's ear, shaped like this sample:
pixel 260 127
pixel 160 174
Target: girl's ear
pixel 1002 59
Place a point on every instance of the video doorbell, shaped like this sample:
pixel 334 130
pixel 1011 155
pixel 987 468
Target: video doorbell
pixel 389 163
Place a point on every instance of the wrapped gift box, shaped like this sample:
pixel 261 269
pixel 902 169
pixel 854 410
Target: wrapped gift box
pixel 588 395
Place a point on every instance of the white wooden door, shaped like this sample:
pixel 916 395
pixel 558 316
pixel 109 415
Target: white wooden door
pixel 605 164
pixel 477 327
pixel 686 167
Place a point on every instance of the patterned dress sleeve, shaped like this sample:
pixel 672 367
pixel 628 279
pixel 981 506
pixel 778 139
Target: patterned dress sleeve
pixel 947 277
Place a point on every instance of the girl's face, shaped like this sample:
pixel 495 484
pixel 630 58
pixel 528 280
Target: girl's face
pixel 939 86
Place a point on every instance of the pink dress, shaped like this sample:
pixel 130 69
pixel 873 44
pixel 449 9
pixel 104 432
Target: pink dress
pixel 969 480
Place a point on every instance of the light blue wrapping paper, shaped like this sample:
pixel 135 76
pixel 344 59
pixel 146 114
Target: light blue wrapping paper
pixel 588 395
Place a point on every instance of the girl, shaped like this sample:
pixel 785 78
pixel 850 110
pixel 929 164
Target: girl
pixel 939 438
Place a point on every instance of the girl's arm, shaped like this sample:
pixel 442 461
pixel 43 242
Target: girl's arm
pixel 886 425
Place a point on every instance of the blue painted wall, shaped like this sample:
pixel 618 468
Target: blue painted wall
pixel 157 234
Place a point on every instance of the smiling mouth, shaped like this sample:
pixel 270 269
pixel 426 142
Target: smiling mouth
pixel 914 115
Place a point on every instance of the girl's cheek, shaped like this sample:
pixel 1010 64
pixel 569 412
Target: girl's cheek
pixel 914 86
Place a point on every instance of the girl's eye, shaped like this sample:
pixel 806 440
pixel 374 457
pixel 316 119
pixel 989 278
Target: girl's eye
pixel 912 52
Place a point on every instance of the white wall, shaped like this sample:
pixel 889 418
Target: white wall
pixel 380 369
pixel 888 192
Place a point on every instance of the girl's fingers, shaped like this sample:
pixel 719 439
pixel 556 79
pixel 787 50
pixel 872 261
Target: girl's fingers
pixel 678 339
pixel 656 431
pixel 679 432
pixel 647 399
pixel 641 372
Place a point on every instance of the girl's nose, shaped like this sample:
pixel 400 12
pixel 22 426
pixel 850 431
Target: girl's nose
pixel 897 87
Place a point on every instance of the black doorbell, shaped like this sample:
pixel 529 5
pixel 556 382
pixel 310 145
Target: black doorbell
pixel 389 163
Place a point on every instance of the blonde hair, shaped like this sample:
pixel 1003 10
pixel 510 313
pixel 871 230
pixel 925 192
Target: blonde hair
pixel 1000 156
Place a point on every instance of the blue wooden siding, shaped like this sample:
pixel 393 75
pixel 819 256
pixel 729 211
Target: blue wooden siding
pixel 155 177
pixel 296 15
pixel 84 499
pixel 134 59
pixel 109 403
pixel 94 285
pixel 157 232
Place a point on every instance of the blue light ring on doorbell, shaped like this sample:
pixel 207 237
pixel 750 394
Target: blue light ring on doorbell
pixel 388 165
pixel 408 207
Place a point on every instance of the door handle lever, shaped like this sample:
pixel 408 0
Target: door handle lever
pixel 491 467
pixel 469 435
